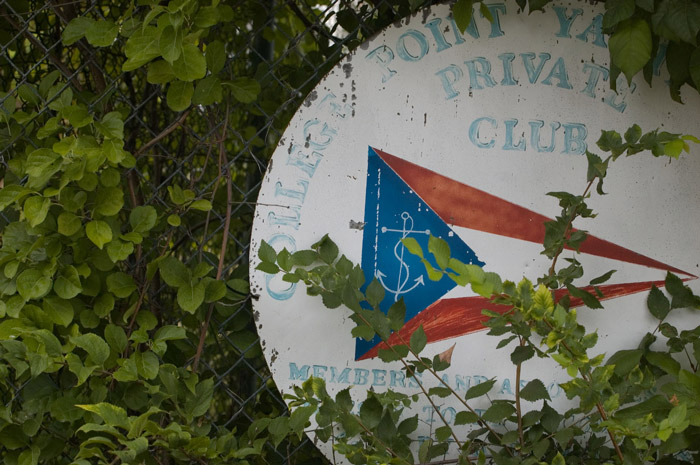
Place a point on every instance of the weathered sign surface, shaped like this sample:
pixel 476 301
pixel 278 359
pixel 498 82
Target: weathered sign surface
pixel 424 130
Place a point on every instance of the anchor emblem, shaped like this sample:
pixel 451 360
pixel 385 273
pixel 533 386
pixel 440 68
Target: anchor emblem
pixel 403 275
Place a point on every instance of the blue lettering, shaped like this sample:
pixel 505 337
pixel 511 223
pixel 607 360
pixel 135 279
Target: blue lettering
pixel 483 72
pixel 462 383
pixel 419 38
pixel 559 72
pixel 361 376
pixel 595 28
pixel 438 35
pixel 320 371
pixel 507 59
pixel 617 99
pixel 554 390
pixel 535 127
pixel 291 221
pixel 382 56
pixel 595 72
pixel 398 378
pixel 565 20
pixel 275 286
pixel 335 109
pixel 474 132
pixel 448 76
pixel 291 193
pixel 505 387
pixel 510 127
pixel 534 73
pixel 306 163
pixel 449 415
pixel 378 377
pixel 575 138
pixel 495 9
pixel 326 135
pixel 412 380
pixel 344 376
pixel 298 373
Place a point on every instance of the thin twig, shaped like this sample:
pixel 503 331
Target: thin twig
pixel 164 133
pixel 223 167
pixel 518 408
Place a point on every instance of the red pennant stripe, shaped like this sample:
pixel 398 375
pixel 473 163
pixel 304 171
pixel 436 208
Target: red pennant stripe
pixel 448 318
pixel 462 205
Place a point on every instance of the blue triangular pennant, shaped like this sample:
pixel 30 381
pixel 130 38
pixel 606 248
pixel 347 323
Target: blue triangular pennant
pixel 394 211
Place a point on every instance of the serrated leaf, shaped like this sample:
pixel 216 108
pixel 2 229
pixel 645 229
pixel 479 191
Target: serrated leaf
pixel 440 250
pixel 371 412
pixel 498 411
pixel 534 391
pixel 521 354
pixel 480 389
pixel 658 304
pixel 462 12
pixel 418 340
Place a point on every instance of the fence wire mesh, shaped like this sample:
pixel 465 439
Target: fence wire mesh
pixel 286 46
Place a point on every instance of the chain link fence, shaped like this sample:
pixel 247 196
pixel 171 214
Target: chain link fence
pixel 287 47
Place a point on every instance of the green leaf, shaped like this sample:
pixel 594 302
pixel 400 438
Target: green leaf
pixel 77 115
pixel 141 48
pixel 58 310
pixel 104 303
pixel 112 415
pixel 68 224
pixel 32 284
pixel 617 11
pixel 625 360
pixel 602 278
pixel 663 361
pixel 300 418
pixel 462 12
pixel 169 333
pixel 397 314
pixel 109 201
pixel 681 295
pixel 98 232
pixel 75 29
pixel 466 418
pixel 147 364
pixel 418 340
pixel 174 272
pixel 143 218
pixel 371 412
pixel 120 284
pixel 111 125
pixel 102 33
pixel 374 293
pixel 304 257
pixel 179 95
pixel 119 250
pixel 498 411
pixel 67 284
pixel 215 55
pixel 244 89
pixel 160 72
pixel 35 209
pixel 191 64
pixel 522 353
pixel 480 389
pixel 96 348
pixel 677 20
pixel 116 338
pixel 534 391
pixel 630 46
pixel 658 304
pixel 440 250
pixel 170 43
pixel 190 296
pixel 206 17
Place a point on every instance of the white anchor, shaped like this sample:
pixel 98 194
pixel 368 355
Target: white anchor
pixel 399 249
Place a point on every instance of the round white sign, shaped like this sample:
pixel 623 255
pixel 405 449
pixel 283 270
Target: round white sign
pixel 425 130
